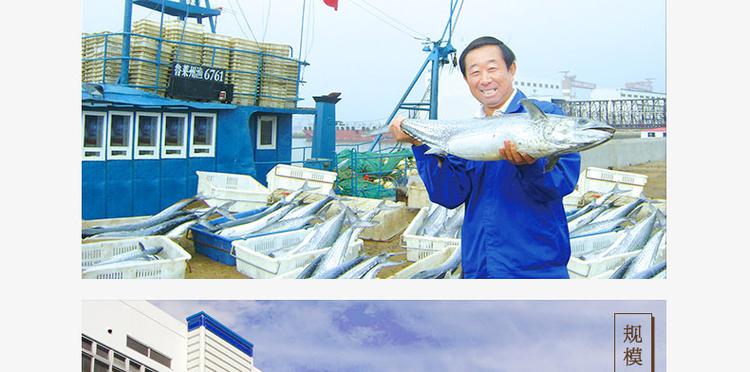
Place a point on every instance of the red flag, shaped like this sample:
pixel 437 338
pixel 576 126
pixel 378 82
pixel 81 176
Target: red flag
pixel 332 3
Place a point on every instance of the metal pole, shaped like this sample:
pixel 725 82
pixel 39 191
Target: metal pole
pixel 395 110
pixel 126 21
pixel 301 29
pixel 435 56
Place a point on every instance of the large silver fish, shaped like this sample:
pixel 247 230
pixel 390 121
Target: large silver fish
pixel 619 212
pixel 632 240
pixel 647 257
pixel 588 217
pixel 357 272
pixel 452 226
pixel 320 236
pixel 334 256
pixel 252 227
pixel 168 213
pixel 534 133
pixel 599 227
pixel 443 269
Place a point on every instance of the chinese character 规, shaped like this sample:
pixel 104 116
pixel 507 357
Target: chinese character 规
pixel 633 334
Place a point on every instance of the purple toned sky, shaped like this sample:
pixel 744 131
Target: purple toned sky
pixel 426 335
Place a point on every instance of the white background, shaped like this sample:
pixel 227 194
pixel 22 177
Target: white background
pixel 706 291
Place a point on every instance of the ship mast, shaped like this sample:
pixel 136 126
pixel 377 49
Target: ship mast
pixel 439 55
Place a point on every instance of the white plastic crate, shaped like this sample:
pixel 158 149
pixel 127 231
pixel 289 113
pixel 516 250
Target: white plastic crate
pixel 432 260
pixel 602 180
pixel 227 186
pixel 417 196
pixel 593 267
pixel 171 265
pixel 589 243
pixel 417 246
pixel 253 262
pixel 288 177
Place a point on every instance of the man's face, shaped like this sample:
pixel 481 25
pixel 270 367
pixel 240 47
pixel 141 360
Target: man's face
pixel 489 79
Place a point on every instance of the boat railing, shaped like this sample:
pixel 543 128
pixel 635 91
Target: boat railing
pixel 108 58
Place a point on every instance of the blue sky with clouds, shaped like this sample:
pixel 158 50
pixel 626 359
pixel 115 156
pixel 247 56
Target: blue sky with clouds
pixel 354 52
pixel 426 335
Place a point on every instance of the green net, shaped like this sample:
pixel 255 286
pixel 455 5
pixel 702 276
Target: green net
pixel 372 174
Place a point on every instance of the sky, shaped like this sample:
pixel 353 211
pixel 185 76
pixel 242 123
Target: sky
pixel 355 52
pixel 365 336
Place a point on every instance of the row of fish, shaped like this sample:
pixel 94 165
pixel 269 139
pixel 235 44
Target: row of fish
pixel 644 235
pixel 173 221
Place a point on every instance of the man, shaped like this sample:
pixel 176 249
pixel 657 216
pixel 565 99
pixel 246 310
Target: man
pixel 514 225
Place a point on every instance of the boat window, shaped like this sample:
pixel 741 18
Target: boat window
pixel 147 135
pixel 120 134
pixel 174 136
pixel 93 135
pixel 204 135
pixel 266 133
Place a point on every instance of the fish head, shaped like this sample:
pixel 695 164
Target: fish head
pixel 573 134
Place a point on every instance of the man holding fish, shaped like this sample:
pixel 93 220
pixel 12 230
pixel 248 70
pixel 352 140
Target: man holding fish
pixel 514 224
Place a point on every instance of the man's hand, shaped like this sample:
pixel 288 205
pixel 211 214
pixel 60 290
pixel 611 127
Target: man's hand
pixel 398 134
pixel 511 154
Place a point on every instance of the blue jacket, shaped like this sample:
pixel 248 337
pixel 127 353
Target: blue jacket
pixel 514 225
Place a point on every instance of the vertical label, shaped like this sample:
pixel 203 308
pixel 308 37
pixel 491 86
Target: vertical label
pixel 633 337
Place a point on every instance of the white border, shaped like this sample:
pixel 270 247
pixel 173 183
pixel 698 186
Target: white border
pixel 102 149
pixel 274 119
pixel 164 147
pixel 212 147
pixel 129 148
pixel 155 148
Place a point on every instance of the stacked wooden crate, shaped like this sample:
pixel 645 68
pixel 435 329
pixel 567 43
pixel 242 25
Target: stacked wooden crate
pixel 193 33
pixel 216 57
pixel 144 49
pixel 244 62
pixel 279 77
pixel 94 47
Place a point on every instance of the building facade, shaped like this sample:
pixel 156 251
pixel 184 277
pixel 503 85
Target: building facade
pixel 136 336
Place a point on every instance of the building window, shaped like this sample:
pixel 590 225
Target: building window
pixel 86 344
pixel 137 346
pixel 161 359
pixel 134 367
pixel 119 360
pixel 102 351
pixel 147 135
pixel 147 351
pixel 100 366
pixel 94 131
pixel 266 133
pixel 174 136
pixel 120 134
pixel 86 362
pixel 204 135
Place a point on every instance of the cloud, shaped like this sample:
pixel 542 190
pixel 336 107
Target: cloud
pixel 422 335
